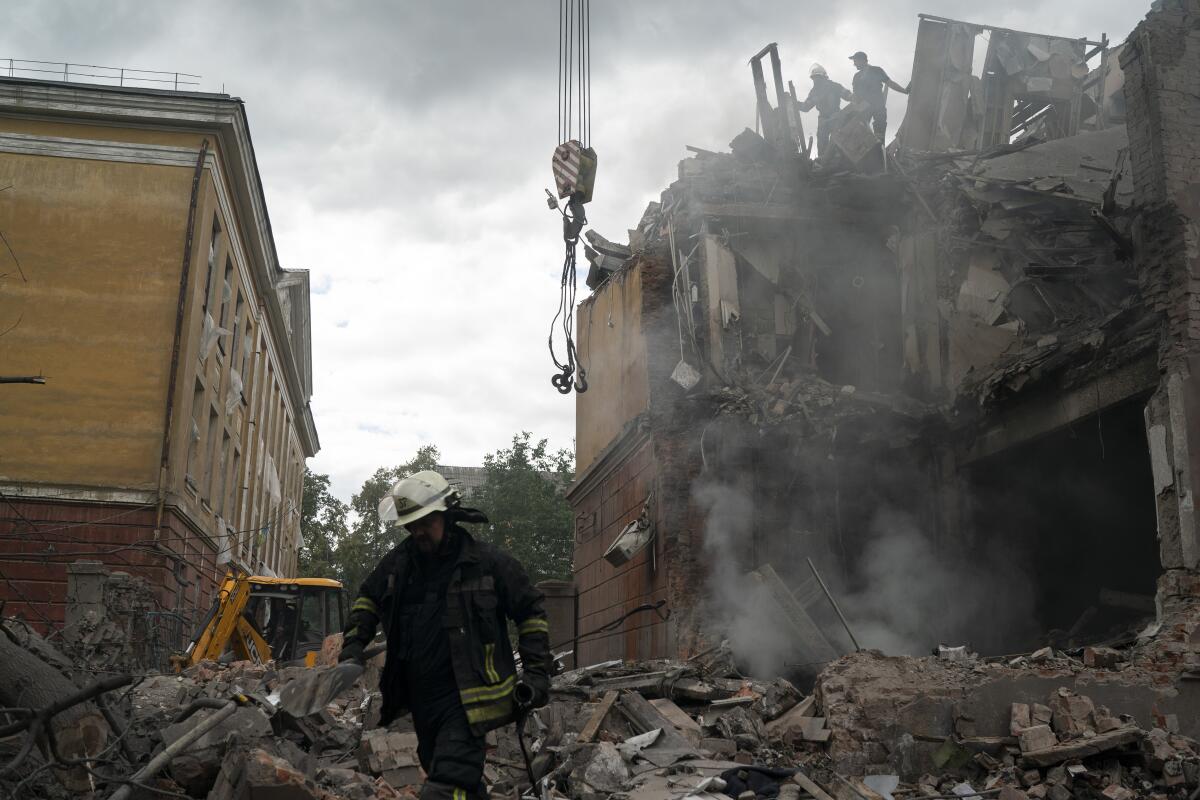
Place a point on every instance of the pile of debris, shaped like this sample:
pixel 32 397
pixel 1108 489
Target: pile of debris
pixel 875 728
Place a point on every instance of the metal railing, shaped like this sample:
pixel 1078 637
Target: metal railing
pixel 113 76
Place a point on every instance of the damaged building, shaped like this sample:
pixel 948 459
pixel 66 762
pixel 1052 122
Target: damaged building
pixel 950 386
pixel 168 434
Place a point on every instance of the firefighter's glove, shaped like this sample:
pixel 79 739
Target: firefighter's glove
pixel 531 693
pixel 352 651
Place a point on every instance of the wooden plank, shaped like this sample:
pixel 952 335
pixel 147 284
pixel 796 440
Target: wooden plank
pixel 815 646
pixel 597 719
pixel 638 683
pixel 679 718
pixel 646 718
pixel 811 786
pixel 791 718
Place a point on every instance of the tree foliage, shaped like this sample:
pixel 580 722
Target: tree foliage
pixel 523 496
pixel 369 539
pixel 322 527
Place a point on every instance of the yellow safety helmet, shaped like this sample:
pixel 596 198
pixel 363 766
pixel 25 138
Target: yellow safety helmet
pixel 416 496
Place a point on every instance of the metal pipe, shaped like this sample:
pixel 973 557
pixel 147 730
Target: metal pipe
pixel 178 746
pixel 833 602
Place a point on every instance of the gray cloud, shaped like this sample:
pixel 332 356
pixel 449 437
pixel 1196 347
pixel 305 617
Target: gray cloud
pixel 404 147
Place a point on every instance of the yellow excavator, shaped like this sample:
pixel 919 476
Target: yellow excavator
pixel 255 618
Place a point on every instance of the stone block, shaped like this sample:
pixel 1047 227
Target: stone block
pixel 1105 720
pixel 1037 737
pixel 1072 713
pixel 196 768
pixel 1041 714
pixel 382 751
pixel 331 648
pixel 606 770
pixel 1101 657
pixel 1117 792
pixel 254 773
pixel 1020 719
pixel 720 747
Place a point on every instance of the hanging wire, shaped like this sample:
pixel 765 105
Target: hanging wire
pixel 558 133
pixel 574 125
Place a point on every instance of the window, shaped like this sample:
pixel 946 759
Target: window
pixel 226 296
pixel 220 494
pixel 213 243
pixel 235 490
pixel 237 335
pixel 210 449
pixel 195 454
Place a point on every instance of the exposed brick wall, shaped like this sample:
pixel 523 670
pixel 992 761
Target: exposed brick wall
pixel 38 539
pixel 606 592
pixel 1162 71
pixel 677 425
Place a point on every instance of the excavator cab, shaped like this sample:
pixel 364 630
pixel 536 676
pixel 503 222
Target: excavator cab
pixel 256 618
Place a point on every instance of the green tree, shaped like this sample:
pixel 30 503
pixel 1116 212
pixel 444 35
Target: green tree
pixel 524 497
pixel 322 528
pixel 369 539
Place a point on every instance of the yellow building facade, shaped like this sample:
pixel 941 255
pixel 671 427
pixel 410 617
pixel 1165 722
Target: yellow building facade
pixel 140 278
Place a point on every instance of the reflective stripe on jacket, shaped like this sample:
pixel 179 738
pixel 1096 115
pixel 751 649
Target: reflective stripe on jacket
pixel 487 588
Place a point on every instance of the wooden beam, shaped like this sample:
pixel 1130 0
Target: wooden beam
pixel 809 636
pixel 597 719
pixel 811 786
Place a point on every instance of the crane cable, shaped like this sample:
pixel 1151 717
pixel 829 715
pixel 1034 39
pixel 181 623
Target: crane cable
pixel 574 124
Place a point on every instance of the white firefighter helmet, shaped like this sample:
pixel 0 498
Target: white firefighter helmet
pixel 416 496
pixel 817 69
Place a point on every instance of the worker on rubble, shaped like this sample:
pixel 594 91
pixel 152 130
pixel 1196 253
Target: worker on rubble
pixel 826 96
pixel 444 600
pixel 869 81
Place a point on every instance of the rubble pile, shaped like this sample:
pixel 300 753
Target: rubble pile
pixel 1049 725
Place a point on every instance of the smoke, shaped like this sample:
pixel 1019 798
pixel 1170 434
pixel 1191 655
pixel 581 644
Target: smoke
pixel 736 608
pixel 912 596
pixel 905 595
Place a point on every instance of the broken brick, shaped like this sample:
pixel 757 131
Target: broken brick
pixel 1037 737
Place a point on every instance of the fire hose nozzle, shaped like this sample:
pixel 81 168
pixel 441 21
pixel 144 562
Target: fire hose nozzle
pixel 523 695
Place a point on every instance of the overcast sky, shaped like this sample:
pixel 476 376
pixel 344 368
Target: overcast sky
pixel 404 147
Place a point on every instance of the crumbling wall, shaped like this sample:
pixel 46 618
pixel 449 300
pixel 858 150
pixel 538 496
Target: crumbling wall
pixel 1161 62
pixel 108 620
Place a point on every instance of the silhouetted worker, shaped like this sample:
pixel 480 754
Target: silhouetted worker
pixel 868 84
pixel 826 96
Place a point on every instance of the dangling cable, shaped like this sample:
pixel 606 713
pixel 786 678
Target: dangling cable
pixel 574 167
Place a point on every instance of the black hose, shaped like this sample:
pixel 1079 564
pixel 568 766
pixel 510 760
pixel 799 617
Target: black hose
pixel 522 715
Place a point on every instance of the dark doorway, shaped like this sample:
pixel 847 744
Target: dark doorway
pixel 1076 508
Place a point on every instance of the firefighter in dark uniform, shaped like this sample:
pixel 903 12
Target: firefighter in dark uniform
pixel 444 601
pixel 826 96
pixel 868 84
